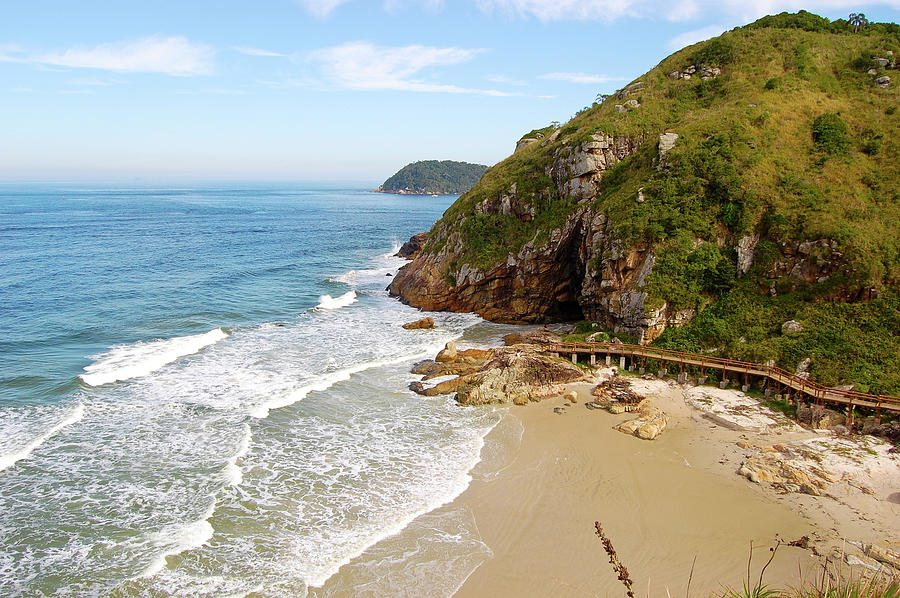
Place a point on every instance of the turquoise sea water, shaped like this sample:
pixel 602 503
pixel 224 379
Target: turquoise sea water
pixel 203 393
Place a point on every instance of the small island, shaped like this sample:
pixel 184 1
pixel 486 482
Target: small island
pixel 433 177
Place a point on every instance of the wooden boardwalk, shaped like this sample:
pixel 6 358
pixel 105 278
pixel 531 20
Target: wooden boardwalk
pixel 801 388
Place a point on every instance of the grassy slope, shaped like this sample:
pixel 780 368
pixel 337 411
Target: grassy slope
pixel 745 162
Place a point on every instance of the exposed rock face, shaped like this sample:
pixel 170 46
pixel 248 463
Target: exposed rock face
pixel 577 171
pixel 666 143
pixel 411 248
pixel 746 249
pixel 581 272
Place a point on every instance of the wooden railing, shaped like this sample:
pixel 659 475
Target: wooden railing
pixel 817 392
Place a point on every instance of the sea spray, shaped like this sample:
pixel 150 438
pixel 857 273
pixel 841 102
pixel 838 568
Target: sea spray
pixel 329 302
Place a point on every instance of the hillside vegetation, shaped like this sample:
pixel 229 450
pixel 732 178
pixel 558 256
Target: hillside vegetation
pixel 429 177
pixel 779 200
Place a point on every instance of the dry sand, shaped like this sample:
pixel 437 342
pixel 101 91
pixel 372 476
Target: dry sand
pixel 663 503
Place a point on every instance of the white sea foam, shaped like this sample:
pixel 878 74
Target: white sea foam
pixel 326 381
pixel 233 471
pixel 329 302
pixel 177 539
pixel 132 361
pixel 8 460
pixel 383 267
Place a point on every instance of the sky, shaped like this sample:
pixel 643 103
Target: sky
pixel 321 90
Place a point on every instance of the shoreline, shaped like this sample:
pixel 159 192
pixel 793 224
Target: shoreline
pixel 665 502
pixel 524 524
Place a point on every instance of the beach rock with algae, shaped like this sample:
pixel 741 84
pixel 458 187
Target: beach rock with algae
pixel 517 377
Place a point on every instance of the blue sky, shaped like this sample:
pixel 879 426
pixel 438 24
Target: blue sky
pixel 343 90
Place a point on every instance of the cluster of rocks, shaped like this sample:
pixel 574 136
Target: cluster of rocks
pixel 616 396
pixel 516 374
pixel 624 93
pixel 706 72
pixel 824 465
pixel 650 423
pixel 630 89
pixel 772 467
pixel 879 63
pixel 628 105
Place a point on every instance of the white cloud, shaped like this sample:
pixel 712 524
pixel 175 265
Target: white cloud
pixel 503 79
pixel 365 66
pixel 8 53
pixel 321 8
pixel 218 92
pixel 580 78
pixel 168 55
pixel 692 37
pixel 93 82
pixel 255 51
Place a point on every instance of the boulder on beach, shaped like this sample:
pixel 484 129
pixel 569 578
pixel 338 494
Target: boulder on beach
pixel 651 422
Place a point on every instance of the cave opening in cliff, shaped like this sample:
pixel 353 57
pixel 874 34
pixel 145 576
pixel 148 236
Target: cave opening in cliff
pixel 569 311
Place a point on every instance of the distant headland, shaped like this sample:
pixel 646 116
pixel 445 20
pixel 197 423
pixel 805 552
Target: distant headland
pixel 433 177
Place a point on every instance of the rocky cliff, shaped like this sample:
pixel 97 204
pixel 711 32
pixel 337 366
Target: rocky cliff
pixel 580 270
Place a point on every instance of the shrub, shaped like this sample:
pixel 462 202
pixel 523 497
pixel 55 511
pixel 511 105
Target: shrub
pixel 830 134
pixel 773 83
pixel 717 52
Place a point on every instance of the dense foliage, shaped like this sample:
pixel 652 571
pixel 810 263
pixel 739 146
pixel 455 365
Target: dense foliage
pixel 433 176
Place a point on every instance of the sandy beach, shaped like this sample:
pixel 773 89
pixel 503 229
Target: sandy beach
pixel 663 503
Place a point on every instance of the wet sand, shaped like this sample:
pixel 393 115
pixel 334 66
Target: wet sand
pixel 661 502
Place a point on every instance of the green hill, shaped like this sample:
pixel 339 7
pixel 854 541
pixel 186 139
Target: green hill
pixel 429 177
pixel 745 181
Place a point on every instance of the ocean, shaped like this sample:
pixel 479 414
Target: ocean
pixel 203 392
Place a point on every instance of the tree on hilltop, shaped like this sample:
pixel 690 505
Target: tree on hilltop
pixel 857 21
